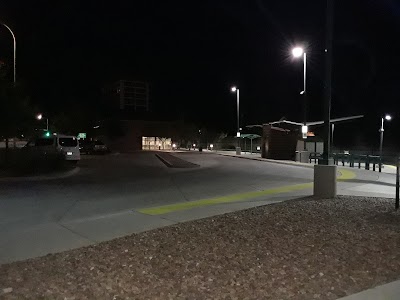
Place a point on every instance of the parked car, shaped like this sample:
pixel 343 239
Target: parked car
pixel 93 147
pixel 67 145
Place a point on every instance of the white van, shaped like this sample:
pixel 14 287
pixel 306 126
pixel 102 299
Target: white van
pixel 66 144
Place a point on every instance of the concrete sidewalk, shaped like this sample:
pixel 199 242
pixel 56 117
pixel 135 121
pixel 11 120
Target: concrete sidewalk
pixel 25 241
pixel 388 169
pixel 389 291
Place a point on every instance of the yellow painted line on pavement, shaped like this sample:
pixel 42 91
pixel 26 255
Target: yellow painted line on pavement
pixel 346 175
pixel 164 209
pixel 225 199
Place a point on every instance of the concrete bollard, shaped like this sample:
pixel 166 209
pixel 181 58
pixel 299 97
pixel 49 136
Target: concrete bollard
pixel 325 185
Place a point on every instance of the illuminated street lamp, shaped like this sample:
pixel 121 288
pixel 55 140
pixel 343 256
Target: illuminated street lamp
pixel 297 53
pixel 304 130
pixel 39 117
pixel 381 130
pixel 234 89
pixel 15 50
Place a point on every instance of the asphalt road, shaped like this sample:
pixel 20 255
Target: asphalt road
pixel 108 184
pixel 102 200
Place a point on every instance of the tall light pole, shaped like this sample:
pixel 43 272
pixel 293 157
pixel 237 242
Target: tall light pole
pixel 330 5
pixel 381 130
pixel 235 89
pixel 299 52
pixel 325 183
pixel 15 51
pixel 39 117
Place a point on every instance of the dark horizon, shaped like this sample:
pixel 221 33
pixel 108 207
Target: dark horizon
pixel 192 55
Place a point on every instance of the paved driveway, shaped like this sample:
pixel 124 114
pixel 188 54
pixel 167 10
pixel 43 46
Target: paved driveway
pixel 109 197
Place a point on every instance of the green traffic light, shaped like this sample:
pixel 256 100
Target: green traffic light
pixel 47 134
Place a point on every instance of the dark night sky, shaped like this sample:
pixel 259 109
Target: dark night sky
pixel 193 51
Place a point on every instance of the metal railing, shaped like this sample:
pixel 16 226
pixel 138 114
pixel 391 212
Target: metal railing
pixel 373 161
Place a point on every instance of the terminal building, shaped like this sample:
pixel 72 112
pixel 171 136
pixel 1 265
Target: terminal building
pixel 284 139
pixel 129 95
pixel 131 124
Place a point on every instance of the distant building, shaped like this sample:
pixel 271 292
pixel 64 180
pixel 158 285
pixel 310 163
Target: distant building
pixel 129 95
pixel 134 135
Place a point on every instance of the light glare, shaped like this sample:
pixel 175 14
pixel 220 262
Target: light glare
pixel 388 117
pixel 297 52
pixel 39 116
pixel 233 89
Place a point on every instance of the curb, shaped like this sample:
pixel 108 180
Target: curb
pixel 293 163
pixel 344 173
pixel 388 291
pixel 43 177
pixel 165 161
pixel 296 164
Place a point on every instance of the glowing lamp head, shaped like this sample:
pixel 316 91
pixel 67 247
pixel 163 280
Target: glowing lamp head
pixel 304 129
pixel 233 89
pixel 388 117
pixel 297 52
pixel 39 116
pixel 211 146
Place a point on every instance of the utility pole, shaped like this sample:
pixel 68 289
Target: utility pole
pixel 325 185
pixel 328 83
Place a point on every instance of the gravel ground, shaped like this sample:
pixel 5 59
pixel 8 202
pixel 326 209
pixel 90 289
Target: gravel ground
pixel 304 249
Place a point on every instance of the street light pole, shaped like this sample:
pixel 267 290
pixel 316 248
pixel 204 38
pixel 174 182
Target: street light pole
pixel 15 51
pixel 298 52
pixel 237 109
pixel 381 130
pixel 325 173
pixel 305 95
pixel 328 83
pixel 305 87
pixel 235 89
pixel 39 117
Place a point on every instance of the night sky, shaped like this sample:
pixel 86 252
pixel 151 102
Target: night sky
pixel 193 51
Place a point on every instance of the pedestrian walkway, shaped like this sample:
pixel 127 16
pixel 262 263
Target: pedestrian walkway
pixel 389 169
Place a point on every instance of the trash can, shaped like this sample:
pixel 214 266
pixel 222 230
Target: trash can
pixel 302 156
